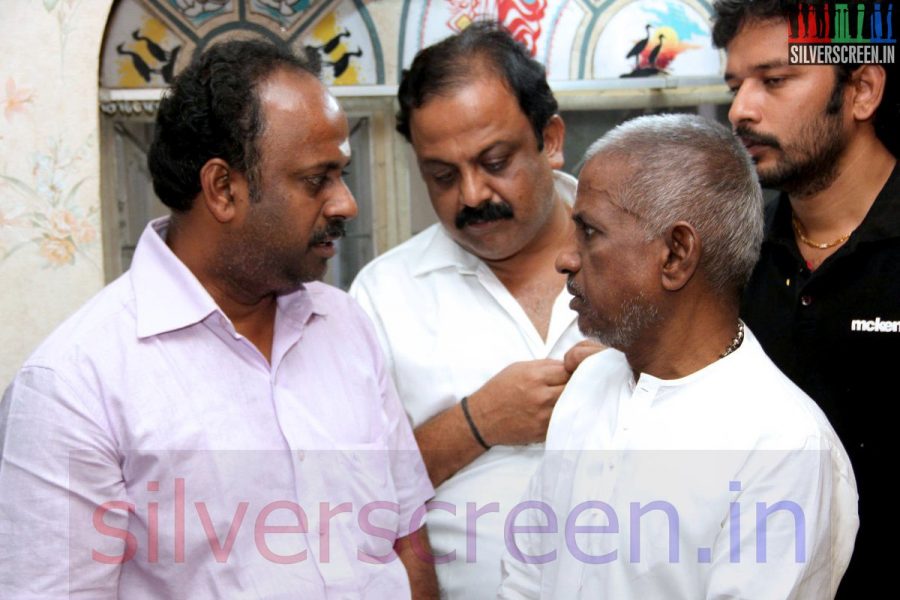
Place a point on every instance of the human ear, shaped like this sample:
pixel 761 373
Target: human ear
pixel 218 182
pixel 682 256
pixel 868 89
pixel 554 135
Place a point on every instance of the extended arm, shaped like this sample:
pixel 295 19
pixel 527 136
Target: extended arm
pixel 512 408
pixel 415 554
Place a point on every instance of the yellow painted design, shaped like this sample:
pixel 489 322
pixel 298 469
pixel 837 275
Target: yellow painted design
pixel 153 29
pixel 324 31
pixel 348 77
pixel 463 22
pixel 671 36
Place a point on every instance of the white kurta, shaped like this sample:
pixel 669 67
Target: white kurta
pixel 447 325
pixel 728 483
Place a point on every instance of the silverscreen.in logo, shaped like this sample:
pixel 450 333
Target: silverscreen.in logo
pixel 842 33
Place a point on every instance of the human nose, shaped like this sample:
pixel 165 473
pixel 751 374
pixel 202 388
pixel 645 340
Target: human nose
pixel 567 261
pixel 745 105
pixel 342 204
pixel 472 188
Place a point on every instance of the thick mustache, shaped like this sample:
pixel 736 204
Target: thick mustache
pixel 748 136
pixel 333 230
pixel 483 213
pixel 573 288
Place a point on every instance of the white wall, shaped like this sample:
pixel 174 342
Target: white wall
pixel 50 247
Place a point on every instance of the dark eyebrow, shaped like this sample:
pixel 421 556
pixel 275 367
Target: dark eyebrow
pixel 776 64
pixel 502 145
pixel 434 162
pixel 579 220
pixel 333 165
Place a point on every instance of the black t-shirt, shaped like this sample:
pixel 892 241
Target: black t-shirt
pixel 835 332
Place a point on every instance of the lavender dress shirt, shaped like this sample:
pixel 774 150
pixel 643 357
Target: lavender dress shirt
pixel 148 450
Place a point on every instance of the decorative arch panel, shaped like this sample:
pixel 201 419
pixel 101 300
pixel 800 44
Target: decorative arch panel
pixel 149 41
pixel 581 39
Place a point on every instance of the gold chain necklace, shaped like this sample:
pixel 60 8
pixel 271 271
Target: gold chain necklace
pixel 736 341
pixel 798 229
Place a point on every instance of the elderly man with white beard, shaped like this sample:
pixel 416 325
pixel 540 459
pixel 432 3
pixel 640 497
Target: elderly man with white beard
pixel 681 463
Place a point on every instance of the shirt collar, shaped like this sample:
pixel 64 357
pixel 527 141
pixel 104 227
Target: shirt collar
pixel 442 252
pixel 169 297
pixel 881 222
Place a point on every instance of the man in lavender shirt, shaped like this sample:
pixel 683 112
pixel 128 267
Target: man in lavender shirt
pixel 215 424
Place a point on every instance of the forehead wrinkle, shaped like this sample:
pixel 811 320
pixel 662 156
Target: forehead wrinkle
pixel 615 195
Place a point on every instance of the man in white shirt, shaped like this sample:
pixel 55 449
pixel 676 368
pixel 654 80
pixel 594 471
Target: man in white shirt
pixel 681 463
pixel 472 309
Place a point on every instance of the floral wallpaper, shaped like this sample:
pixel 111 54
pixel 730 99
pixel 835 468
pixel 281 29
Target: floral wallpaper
pixel 42 214
pixel 50 247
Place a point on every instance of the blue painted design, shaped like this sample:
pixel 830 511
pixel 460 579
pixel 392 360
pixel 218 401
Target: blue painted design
pixel 404 15
pixel 373 37
pixel 201 18
pixel 312 19
pixel 675 16
pixel 583 58
pixel 176 21
pixel 297 7
pixel 551 31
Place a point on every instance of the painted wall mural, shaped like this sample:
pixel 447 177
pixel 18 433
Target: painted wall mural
pixel 148 41
pixel 651 38
pixel 581 39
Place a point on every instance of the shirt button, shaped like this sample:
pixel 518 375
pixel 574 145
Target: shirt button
pixel 806 300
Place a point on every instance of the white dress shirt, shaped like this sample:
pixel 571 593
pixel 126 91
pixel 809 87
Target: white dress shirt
pixel 148 450
pixel 671 489
pixel 447 325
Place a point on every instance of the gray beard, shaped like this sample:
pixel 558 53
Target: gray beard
pixel 635 315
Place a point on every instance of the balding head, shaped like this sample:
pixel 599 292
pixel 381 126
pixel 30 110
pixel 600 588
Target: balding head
pixel 687 168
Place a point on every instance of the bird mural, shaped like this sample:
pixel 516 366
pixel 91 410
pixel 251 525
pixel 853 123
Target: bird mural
pixel 165 58
pixel 139 64
pixel 639 47
pixel 332 44
pixel 167 70
pixel 341 64
pixel 655 52
pixel 153 48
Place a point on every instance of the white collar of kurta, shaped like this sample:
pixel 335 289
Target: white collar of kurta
pixel 442 252
pixel 650 382
pixel 169 297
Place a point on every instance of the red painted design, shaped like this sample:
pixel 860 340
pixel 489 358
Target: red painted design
pixel 523 19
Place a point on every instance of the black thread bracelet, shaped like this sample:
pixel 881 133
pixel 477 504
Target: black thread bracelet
pixel 464 403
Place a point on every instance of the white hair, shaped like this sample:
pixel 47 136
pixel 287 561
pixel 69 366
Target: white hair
pixel 687 168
